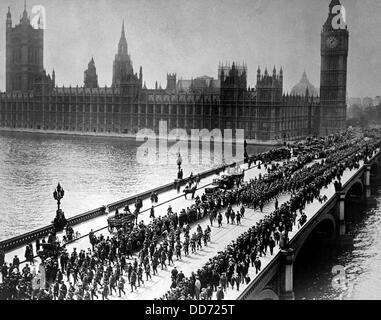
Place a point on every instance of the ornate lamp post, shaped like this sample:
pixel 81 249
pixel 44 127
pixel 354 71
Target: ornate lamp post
pixel 179 173
pixel 179 161
pixel 60 220
pixel 58 195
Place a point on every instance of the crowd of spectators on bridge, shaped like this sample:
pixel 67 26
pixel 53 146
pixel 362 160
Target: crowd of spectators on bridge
pixel 106 267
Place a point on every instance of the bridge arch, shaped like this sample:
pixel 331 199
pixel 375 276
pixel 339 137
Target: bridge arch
pixel 267 294
pixel 325 225
pixel 356 190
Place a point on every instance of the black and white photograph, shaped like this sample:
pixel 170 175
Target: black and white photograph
pixel 196 150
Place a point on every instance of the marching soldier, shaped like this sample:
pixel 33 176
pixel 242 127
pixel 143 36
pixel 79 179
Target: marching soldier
pixel 155 263
pixel 163 258
pixel 147 269
pixel 133 281
pixel 170 256
pixel 140 275
pixel 121 286
pixel 178 250
pixel 186 247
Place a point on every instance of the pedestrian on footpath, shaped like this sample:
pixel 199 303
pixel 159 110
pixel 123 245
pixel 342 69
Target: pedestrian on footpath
pixel 271 245
pixel 219 220
pixel 238 216
pixel 152 213
pixel 257 265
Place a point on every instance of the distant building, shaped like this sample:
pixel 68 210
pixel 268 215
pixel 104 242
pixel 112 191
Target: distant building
pixel 24 54
pixel 91 77
pixel 367 102
pixel 354 101
pixel 304 85
pixel 265 112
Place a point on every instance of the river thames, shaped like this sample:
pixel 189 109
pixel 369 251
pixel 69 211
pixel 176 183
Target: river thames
pixel 99 170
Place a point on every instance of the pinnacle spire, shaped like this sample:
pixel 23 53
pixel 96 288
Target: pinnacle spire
pixel 25 12
pixel 25 19
pixel 122 47
pixel 9 13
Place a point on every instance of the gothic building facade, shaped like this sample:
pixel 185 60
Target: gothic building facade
pixel 265 112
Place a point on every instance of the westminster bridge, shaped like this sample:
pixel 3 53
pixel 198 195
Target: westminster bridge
pixel 275 280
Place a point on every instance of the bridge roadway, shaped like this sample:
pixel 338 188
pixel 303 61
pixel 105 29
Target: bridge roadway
pixel 220 237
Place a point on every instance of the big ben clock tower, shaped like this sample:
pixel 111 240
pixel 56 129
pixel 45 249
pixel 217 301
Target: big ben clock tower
pixel 333 76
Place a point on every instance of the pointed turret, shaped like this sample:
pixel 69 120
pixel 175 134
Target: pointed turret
pixel 304 76
pixel 258 74
pixel 90 75
pixel 122 47
pixel 328 26
pixel 25 19
pixel 9 19
pixel 54 78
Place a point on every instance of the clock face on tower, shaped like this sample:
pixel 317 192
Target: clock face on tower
pixel 332 42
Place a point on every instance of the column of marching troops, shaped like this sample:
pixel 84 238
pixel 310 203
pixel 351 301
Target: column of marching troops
pixel 106 267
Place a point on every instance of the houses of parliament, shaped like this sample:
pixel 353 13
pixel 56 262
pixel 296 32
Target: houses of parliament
pixel 33 101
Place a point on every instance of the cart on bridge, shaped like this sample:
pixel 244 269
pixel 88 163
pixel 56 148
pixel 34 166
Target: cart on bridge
pixel 120 221
pixel 50 250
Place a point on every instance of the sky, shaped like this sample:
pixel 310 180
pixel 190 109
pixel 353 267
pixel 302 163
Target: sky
pixel 191 37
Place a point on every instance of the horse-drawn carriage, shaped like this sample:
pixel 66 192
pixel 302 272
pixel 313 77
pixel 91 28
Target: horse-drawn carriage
pixel 49 250
pixel 190 190
pixel 213 187
pixel 123 220
pixel 229 181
